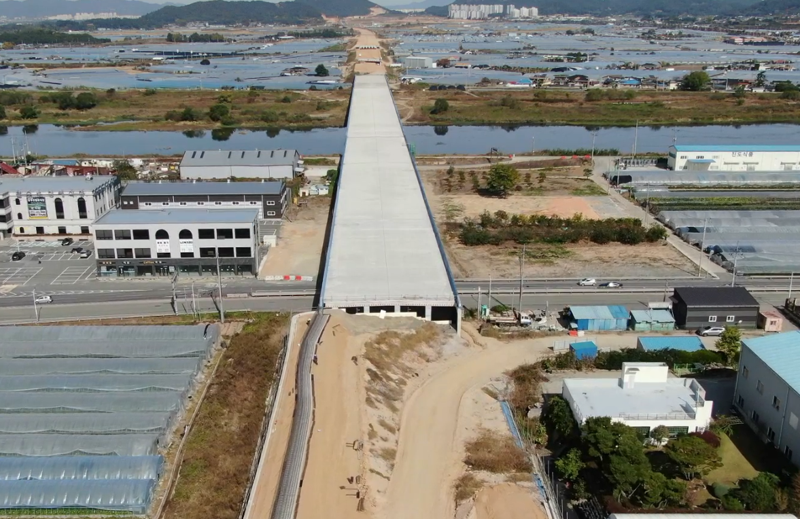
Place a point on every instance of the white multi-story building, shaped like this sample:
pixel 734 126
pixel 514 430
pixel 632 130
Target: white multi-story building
pixel 54 205
pixel 736 157
pixel 483 11
pixel 644 397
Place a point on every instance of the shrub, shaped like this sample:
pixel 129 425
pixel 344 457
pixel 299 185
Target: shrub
pixel 440 106
pixel 85 101
pixel 29 112
pixel 149 92
pixel 286 99
pixel 731 504
pixel 708 437
pixel 720 490
pixel 2 112
pixel 593 95
pixel 269 116
pixel 218 111
pixel 496 453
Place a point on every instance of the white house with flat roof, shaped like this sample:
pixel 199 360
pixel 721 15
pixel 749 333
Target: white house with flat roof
pixel 221 164
pixel 644 397
pixel 734 157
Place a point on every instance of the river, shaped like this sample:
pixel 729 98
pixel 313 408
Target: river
pixel 56 141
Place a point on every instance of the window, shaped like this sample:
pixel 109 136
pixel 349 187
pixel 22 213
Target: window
pixel 712 318
pixel 164 203
pixel 22 230
pixel 236 203
pixel 200 203
pixel 62 230
pixel 760 387
pixel 105 253
pixel 183 203
pixel 243 252
pixel 208 252
pixel 104 234
pixel 643 431
pixel 271 202
pixel 776 403
pixel 187 254
pixel 217 203
pixel 19 216
pixel 161 234
pixel 16 201
pixel 787 452
pixel 770 434
pixel 59 209
pixel 124 253
pixel 730 318
pixel 163 255
pixel 148 203
pixel 675 431
pixel 793 420
pixel 82 208
pixel 745 372
pixel 142 253
pixel 122 234
pixel 253 203
pixel 141 234
pixel 242 233
pixel 185 234
pixel 224 234
pixel 740 402
pixel 84 229
pixel 270 213
pixel 205 234
pixel 755 417
pixel 225 252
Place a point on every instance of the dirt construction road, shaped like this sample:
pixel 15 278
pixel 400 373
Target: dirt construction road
pixel 427 465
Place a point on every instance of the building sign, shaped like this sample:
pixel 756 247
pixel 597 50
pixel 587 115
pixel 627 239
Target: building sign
pixel 742 153
pixel 37 208
pixel 187 246
pixel 162 246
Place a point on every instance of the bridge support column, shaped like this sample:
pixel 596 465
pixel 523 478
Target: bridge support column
pixel 428 312
pixel 397 309
pixel 366 309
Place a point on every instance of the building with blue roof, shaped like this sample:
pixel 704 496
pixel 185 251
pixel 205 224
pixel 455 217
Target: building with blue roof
pixel 734 157
pixel 667 342
pixel 584 349
pixel 652 320
pixel 767 393
pixel 599 318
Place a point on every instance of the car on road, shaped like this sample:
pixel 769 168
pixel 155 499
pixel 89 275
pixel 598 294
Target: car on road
pixel 710 331
pixel 611 284
pixel 66 242
pixel 587 282
pixel 17 256
pixel 86 254
pixel 77 249
pixel 43 299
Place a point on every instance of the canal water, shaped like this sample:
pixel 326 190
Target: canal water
pixel 52 140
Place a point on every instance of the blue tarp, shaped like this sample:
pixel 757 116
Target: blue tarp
pixel 584 350
pixel 671 343
pixel 613 317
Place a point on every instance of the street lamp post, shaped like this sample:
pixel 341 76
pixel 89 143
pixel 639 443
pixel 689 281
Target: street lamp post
pixel 35 308
pixel 219 286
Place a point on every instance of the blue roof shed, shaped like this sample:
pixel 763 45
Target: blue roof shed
pixel 584 350
pixel 655 320
pixel 613 317
pixel 682 343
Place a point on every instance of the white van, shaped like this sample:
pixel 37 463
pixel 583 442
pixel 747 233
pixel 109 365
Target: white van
pixel 43 299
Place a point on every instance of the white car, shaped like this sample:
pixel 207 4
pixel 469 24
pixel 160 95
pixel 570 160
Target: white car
pixel 85 254
pixel 587 282
pixel 711 331
pixel 43 299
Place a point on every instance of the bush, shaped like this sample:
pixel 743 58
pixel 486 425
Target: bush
pixel 440 106
pixel 708 437
pixel 2 112
pixel 190 114
pixel 593 95
pixel 85 101
pixel 720 490
pixel 731 504
pixel 29 112
pixel 218 111
pixel 791 95
pixel 495 453
pixel 286 99
pixel 149 92
pixel 11 98
pixel 269 116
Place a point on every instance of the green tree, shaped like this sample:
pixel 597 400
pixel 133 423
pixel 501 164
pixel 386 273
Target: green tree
pixel 569 466
pixel 85 101
pixel 218 111
pixel 502 179
pixel 758 494
pixel 189 114
pixel 2 112
pixel 124 170
pixel 692 455
pixel 440 106
pixel 761 79
pixel 29 112
pixel 659 434
pixel 729 343
pixel 658 491
pixel 594 94
pixel 695 81
pixel 321 70
pixel 739 92
pixel 64 100
pixel 558 418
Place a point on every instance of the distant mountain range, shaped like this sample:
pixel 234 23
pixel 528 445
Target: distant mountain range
pixel 340 8
pixel 230 13
pixel 38 9
pixel 424 4
pixel 773 7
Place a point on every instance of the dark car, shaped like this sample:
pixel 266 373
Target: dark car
pixel 461 87
pixel 77 249
pixel 66 241
pixel 611 284
pixel 17 256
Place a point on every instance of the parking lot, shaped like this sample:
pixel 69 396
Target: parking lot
pixel 45 263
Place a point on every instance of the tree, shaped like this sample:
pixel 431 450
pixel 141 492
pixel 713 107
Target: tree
pixel 190 114
pixel 739 92
pixel 2 112
pixel 124 170
pixel 321 70
pixel 28 112
pixel 659 434
pixel 761 79
pixel 218 111
pixel 658 491
pixel 695 81
pixel 730 342
pixel 692 455
pixel 570 465
pixel 64 100
pixel 758 494
pixel 558 418
pixel 502 179
pixel 85 101
pixel 442 63
pixel 440 106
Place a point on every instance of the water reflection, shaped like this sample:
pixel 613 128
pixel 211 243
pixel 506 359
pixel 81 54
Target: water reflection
pixel 195 134
pixel 30 129
pixel 222 134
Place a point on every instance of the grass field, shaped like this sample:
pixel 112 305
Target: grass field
pixel 734 465
pixel 222 443
pixel 538 106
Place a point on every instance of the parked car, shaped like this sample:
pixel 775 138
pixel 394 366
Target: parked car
pixel 611 284
pixel 86 254
pixel 66 242
pixel 77 249
pixel 710 331
pixel 43 299
pixel 17 256
pixel 587 282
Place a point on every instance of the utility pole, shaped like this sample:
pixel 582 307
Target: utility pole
pixel 791 282
pixel 174 296
pixel 636 138
pixel 521 278
pixel 194 302
pixel 490 290
pixel 533 145
pixel 702 249
pixel 219 285
pixel 594 135
pixel 480 315
pixel 735 259
pixel 35 308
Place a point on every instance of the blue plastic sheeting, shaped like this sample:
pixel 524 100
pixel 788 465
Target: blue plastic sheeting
pixel 80 468
pixel 78 444
pixel 84 423
pixel 597 318
pixel 584 350
pixel 130 495
pixel 671 343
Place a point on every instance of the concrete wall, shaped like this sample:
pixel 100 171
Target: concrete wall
pixel 757 385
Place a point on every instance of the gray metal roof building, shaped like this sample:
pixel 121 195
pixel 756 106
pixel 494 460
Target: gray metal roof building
pixel 204 188
pixel 384 252
pixel 218 164
pixel 178 216
pixel 83 185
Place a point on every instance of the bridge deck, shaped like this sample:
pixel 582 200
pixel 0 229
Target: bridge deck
pixel 384 249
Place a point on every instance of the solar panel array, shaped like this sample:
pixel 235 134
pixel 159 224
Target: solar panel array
pixel 85 409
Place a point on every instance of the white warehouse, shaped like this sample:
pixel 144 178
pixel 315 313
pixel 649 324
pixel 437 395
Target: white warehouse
pixel 736 157
pixel 222 164
pixel 644 397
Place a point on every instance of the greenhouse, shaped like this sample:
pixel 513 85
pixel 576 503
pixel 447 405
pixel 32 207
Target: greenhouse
pixel 84 411
pixel 664 177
